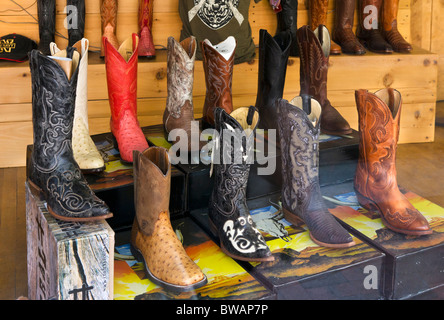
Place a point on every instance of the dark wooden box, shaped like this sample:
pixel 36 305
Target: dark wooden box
pixel 414 264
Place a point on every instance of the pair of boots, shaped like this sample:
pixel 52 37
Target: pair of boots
pixel 108 13
pixel 379 35
pixel 46 11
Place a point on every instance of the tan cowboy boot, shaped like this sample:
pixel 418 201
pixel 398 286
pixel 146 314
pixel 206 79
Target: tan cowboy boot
pixel 108 14
pixel 318 16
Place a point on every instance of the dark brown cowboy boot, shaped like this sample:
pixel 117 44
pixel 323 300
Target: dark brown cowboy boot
pixel 46 15
pixel 389 27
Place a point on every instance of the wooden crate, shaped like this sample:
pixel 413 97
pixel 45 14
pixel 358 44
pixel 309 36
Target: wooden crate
pixel 67 260
pixel 415 75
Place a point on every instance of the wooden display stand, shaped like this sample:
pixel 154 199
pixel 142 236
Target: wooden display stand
pixel 67 260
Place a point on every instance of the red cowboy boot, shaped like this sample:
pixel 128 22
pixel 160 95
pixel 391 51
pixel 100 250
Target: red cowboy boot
pixel 146 47
pixel 121 76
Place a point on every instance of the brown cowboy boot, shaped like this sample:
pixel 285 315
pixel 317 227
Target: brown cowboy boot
pixel 108 14
pixel 153 240
pixel 389 27
pixel 318 16
pixel 375 181
pixel 218 63
pixel 343 30
pixel 314 55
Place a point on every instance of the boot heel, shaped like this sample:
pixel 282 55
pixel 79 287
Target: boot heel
pixel 292 218
pixel 366 203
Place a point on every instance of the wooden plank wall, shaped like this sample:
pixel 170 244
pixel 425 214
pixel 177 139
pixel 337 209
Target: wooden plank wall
pixel 346 73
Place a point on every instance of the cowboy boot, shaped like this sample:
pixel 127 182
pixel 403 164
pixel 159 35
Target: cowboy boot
pixel 368 31
pixel 229 216
pixel 343 30
pixel 76 32
pixel 314 56
pixel 389 27
pixel 121 76
pixel 53 170
pixel 153 240
pixel 146 46
pixel 218 63
pixel 273 58
pixel 301 194
pixel 375 181
pixel 287 20
pixel 46 15
pixel 318 16
pixel 108 15
pixel 85 151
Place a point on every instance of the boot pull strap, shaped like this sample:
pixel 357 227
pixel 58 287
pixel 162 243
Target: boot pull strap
pixel 250 115
pixel 306 103
pixel 320 35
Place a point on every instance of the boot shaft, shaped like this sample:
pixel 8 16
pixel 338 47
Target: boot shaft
pixel 46 19
pixel 145 14
pixel 318 13
pixel 76 32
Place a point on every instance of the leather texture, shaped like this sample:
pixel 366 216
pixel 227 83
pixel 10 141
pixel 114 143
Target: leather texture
pixel 343 29
pixel 108 15
pixel 318 10
pixel 229 216
pixel 121 76
pixel 372 39
pixel 389 27
pixel 76 34
pixel 375 181
pixel 46 13
pixel 301 194
pixel 273 58
pixel 287 20
pixel 52 169
pixel 146 46
pixel 314 57
pixel 218 69
pixel 153 239
pixel 85 151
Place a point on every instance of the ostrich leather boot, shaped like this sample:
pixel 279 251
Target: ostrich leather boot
pixel 179 111
pixel 77 31
pixel 108 15
pixel 375 181
pixel 146 46
pixel 53 170
pixel 46 18
pixel 229 216
pixel 85 151
pixel 287 20
pixel 121 76
pixel 273 58
pixel 318 16
pixel 218 63
pixel 314 56
pixel 153 240
pixel 301 194
pixel 368 31
pixel 343 29
pixel 389 27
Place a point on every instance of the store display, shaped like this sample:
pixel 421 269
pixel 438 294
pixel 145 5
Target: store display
pixel 218 64
pixel 318 16
pixel 343 28
pixel 15 47
pixel 368 29
pixel 153 240
pixel 76 32
pixel 108 15
pixel 314 49
pixel 389 27
pixel 121 77
pixel 287 20
pixel 46 13
pixel 52 169
pixel 375 182
pixel 85 151
pixel 146 46
pixel 228 212
pixel 299 129
pixel 273 58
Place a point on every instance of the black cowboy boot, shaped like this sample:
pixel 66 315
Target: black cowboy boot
pixel 76 32
pixel 273 58
pixel 52 169
pixel 287 19
pixel 301 194
pixel 46 15
pixel 229 215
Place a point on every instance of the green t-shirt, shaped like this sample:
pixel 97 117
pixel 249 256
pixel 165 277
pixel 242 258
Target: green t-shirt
pixel 215 20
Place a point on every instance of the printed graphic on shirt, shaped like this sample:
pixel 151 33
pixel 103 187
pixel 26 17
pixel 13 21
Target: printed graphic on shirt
pixel 215 14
